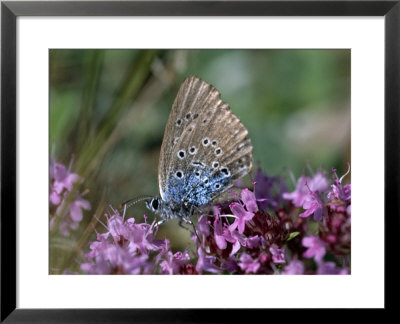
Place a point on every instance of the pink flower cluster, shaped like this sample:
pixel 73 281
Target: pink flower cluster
pixel 267 230
pixel 65 204
pixel 130 248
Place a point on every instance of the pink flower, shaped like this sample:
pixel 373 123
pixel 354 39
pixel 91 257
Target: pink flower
pixel 69 208
pixel 114 259
pixel 301 193
pixel 175 262
pixel 72 214
pixel 313 204
pixel 249 199
pixel 248 264
pixel 219 234
pixel 295 267
pixel 338 191
pixel 60 179
pixel 237 241
pixel 126 248
pixel 316 248
pixel 278 255
pixel 253 242
pixel 205 262
pixel 242 216
pixel 76 209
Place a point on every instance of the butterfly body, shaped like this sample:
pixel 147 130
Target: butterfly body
pixel 204 151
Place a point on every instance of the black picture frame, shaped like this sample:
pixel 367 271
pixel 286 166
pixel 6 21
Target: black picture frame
pixel 10 10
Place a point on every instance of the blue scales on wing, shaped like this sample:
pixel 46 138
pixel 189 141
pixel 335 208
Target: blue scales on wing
pixel 198 187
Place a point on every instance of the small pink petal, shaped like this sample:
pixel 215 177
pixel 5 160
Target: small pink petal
pixel 221 242
pixel 249 200
pixel 55 198
pixel 76 212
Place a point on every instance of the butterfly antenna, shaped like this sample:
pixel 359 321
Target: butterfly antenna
pixel 129 203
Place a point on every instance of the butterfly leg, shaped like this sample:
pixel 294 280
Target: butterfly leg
pixel 192 211
pixel 159 222
pixel 181 220
pixel 188 221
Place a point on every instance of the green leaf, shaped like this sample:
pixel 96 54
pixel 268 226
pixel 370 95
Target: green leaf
pixel 293 235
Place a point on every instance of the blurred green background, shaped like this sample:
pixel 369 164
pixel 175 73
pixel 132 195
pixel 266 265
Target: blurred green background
pixel 108 109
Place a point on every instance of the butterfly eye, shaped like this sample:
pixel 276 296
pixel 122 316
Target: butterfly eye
pixel 154 204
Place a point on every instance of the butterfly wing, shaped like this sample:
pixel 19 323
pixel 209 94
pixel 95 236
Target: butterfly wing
pixel 210 151
pixel 192 98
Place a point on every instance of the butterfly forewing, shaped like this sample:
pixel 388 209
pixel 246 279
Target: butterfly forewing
pixel 194 96
pixel 204 148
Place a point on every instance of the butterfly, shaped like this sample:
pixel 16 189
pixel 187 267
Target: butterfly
pixel 203 153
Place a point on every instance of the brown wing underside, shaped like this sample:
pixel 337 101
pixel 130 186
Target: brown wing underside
pixel 198 113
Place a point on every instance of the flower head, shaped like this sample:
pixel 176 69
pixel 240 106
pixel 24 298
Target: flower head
pixel 126 248
pixel 304 186
pixel 338 191
pixel 61 179
pixel 313 204
pixel 66 205
pixel 175 263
